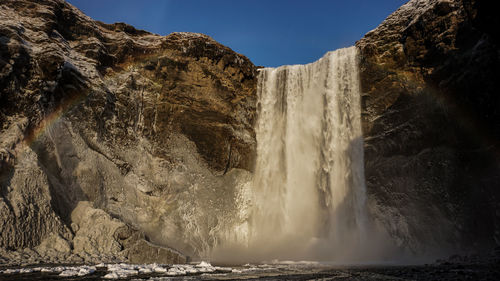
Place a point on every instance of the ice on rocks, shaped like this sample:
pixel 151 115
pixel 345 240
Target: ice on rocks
pixel 25 270
pixel 160 269
pixel 236 271
pixel 145 270
pixel 204 267
pixel 68 273
pixel 73 271
pixel 204 264
pixel 123 270
pixel 112 275
pixel 65 271
pixel 223 269
pixel 191 270
pixel 175 271
pixel 46 269
pixel 122 273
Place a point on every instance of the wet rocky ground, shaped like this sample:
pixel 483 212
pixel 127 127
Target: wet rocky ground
pixel 443 270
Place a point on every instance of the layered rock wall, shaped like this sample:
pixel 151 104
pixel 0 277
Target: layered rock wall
pixel 108 134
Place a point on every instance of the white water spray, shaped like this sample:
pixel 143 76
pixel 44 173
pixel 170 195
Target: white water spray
pixel 309 186
pixel 307 199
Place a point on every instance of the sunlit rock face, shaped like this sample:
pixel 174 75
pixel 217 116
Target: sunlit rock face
pixel 148 130
pixel 430 119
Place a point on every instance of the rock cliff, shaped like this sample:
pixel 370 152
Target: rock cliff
pixel 118 144
pixel 108 134
pixel 430 120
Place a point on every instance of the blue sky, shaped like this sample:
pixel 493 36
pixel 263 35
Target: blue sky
pixel 269 32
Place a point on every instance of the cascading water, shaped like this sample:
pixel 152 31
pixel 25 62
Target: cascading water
pixel 307 197
pixel 309 188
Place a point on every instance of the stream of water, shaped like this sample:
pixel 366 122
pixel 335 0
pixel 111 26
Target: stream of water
pixel 308 191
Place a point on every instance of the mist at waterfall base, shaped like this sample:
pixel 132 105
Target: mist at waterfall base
pixel 308 195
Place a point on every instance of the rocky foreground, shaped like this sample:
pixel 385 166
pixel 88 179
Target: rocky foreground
pixel 455 268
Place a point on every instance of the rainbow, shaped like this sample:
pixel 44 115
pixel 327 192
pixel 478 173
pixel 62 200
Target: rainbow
pixel 35 132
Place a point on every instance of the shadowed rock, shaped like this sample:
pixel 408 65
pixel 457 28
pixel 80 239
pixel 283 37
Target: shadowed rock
pixel 430 120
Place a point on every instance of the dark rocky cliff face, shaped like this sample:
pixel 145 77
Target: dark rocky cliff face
pixel 108 132
pixel 431 112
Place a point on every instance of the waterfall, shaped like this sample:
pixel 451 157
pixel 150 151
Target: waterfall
pixel 309 187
